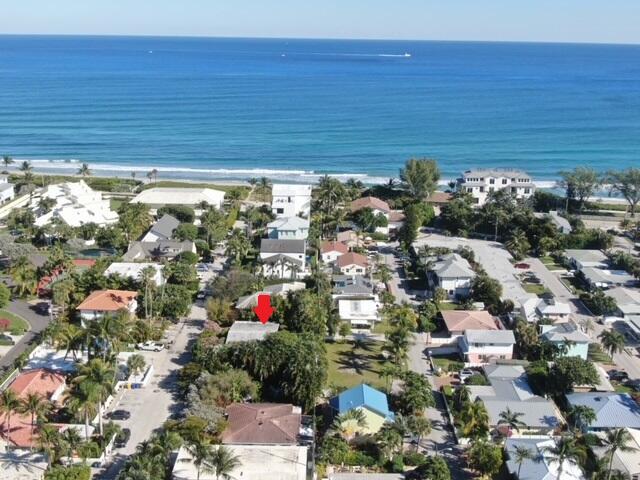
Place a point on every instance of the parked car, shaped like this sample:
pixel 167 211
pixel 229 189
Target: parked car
pixel 150 346
pixel 6 339
pixel 201 295
pixel 465 373
pixel 633 385
pixel 522 266
pixel 119 415
pixel 618 375
pixel 122 438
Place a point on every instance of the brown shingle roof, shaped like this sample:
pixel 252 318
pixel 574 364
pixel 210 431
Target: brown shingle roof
pixel 370 202
pixel 328 246
pixel 440 197
pixel 108 300
pixel 461 320
pixel 352 258
pixel 262 423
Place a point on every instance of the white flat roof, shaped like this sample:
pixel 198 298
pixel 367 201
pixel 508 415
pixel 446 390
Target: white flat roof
pixel 179 196
pixel 294 189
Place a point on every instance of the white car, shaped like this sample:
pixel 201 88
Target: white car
pixel 150 346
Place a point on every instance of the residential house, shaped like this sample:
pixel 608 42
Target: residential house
pixel 290 200
pixel 626 461
pixel 440 199
pixel 479 183
pixel 348 237
pixel 453 274
pixel 330 251
pixel 605 278
pixel 509 388
pixel 580 259
pixel 348 286
pixel 457 322
pixel 480 347
pixel 160 250
pixel 541 465
pixel 627 300
pixel 352 263
pixel 264 424
pixel 278 290
pixel 134 271
pixel 283 258
pixel 105 302
pixel 361 313
pixel 7 191
pixel 549 307
pixel 394 218
pixel 288 228
pixel 613 410
pixel 571 340
pixel 23 465
pixel 163 229
pixel 373 404
pixel 243 331
pixel 75 204
pixel 159 197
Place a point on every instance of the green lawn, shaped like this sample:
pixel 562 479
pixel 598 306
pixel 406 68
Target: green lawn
pixel 448 364
pixel 597 354
pixel 535 288
pixel 116 203
pixel 16 321
pixel 350 365
pixel 382 327
pixel 443 306
pixel 550 263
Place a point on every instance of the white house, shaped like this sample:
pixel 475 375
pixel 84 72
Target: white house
pixel 75 204
pixel 361 313
pixel 453 274
pixel 581 259
pixel 7 191
pixel 134 271
pixel 553 309
pixel 481 182
pixel 605 278
pixel 160 196
pixel 291 200
pixel 479 347
pixel 330 251
pixel 352 264
pixel 162 230
pixel 288 228
pixel 627 300
pixel 627 461
pixel 105 302
pixel 541 465
pixel 283 258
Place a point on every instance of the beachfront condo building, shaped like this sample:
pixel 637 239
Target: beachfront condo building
pixel 290 200
pixel 480 183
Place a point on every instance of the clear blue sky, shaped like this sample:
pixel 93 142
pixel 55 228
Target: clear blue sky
pixel 615 21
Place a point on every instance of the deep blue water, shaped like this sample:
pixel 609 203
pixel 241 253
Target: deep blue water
pixel 196 107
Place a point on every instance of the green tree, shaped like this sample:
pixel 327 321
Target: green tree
pixel 458 216
pixel 485 458
pixel 486 289
pixel 626 183
pixel 100 379
pixel 520 455
pixel 417 394
pixel 214 224
pixel 434 468
pixel 36 406
pixel 348 424
pixel 612 341
pixel 25 167
pixel 565 450
pixel 475 420
pixel 83 398
pixel 136 364
pixel 579 184
pixel 50 442
pixel 581 416
pixel 186 231
pixel 420 177
pixel 24 276
pixel 134 220
pixel 223 462
pixel 9 404
pixel 84 170
pixel 569 371
pixel 7 160
pixel 5 295
pixel 614 441
pixel 518 244
pixel 200 453
pixel 419 426
pixel 511 419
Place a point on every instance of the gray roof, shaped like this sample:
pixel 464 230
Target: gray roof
pixel 589 256
pixel 165 226
pixel 351 285
pixel 536 413
pixel 504 371
pixel 274 259
pixel 289 223
pixel 613 410
pixel 490 336
pixel 269 245
pixel 279 289
pixel 538 467
pixel 495 172
pixel 247 331
pixel 159 249
pixel 366 476
pixel 452 265
pixel 613 277
pixel 628 300
pixel 563 332
pixel 561 222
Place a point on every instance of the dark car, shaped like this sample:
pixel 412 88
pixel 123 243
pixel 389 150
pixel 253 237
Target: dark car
pixel 6 339
pixel 618 375
pixel 122 438
pixel 119 415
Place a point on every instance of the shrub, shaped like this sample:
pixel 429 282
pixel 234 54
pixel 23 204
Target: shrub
pixel 414 459
pixel 73 472
pixel 17 330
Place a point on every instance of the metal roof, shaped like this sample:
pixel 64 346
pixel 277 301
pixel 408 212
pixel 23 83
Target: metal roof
pixel 269 245
pixel 613 410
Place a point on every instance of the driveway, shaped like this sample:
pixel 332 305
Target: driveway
pixel 37 321
pixel 397 285
pixel 152 405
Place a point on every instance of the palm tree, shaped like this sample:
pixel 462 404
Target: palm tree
pixel 581 416
pixel 520 455
pixel 349 423
pixel 475 420
pixel 9 403
pixel 136 364
pixel 7 160
pixel 108 332
pixel 200 452
pixel 612 341
pixel 99 377
pixel 222 462
pixel 84 170
pixel 49 442
pixel 617 440
pixel 35 405
pixel 264 184
pixel 147 279
pixel 72 440
pixel 518 244
pixel 24 276
pixel 565 450
pixel 419 426
pixel 511 419
pixel 25 167
pixel 154 174
pixel 389 439
pixel 389 371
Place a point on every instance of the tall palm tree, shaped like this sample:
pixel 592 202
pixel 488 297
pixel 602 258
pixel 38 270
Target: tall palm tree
pixel 389 440
pixel 24 276
pixel 72 440
pixel 25 167
pixel 419 426
pixel 200 453
pixel 475 420
pixel 99 377
pixel 617 440
pixel 108 332
pixel 35 405
pixel 84 170
pixel 9 403
pixel 581 416
pixel 520 455
pixel 147 279
pixel 264 184
pixel 49 442
pixel 349 423
pixel 154 174
pixel 511 419
pixel 564 450
pixel 612 341
pixel 222 462
pixel 7 160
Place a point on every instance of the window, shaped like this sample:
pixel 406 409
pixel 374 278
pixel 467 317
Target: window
pixel 514 190
pixel 504 181
pixel 279 210
pixel 527 191
pixel 469 189
pixel 492 181
pixel 481 189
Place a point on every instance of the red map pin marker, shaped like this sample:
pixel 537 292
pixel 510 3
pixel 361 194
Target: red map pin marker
pixel 264 310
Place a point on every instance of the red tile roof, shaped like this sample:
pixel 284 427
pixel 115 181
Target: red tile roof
pixel 352 258
pixel 440 197
pixel 328 246
pixel 370 202
pixel 41 381
pixel 461 320
pixel 84 262
pixel 108 300
pixel 262 423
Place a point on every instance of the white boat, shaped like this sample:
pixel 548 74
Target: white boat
pixel 407 55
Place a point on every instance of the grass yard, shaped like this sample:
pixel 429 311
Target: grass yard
pixel 444 306
pixel 535 288
pixel 597 354
pixel 16 321
pixel 382 327
pixel 449 363
pixel 550 263
pixel 351 365
pixel 116 203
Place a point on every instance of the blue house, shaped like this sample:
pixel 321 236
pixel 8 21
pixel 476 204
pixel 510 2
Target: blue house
pixel 373 404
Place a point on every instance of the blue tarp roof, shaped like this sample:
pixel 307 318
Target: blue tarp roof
pixel 362 396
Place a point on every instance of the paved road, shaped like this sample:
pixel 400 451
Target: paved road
pixel 397 285
pixel 36 320
pixel 152 405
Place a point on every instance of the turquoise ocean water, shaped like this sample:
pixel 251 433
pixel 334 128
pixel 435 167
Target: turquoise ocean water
pixel 294 109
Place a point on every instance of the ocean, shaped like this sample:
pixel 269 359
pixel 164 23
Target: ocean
pixel 230 109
